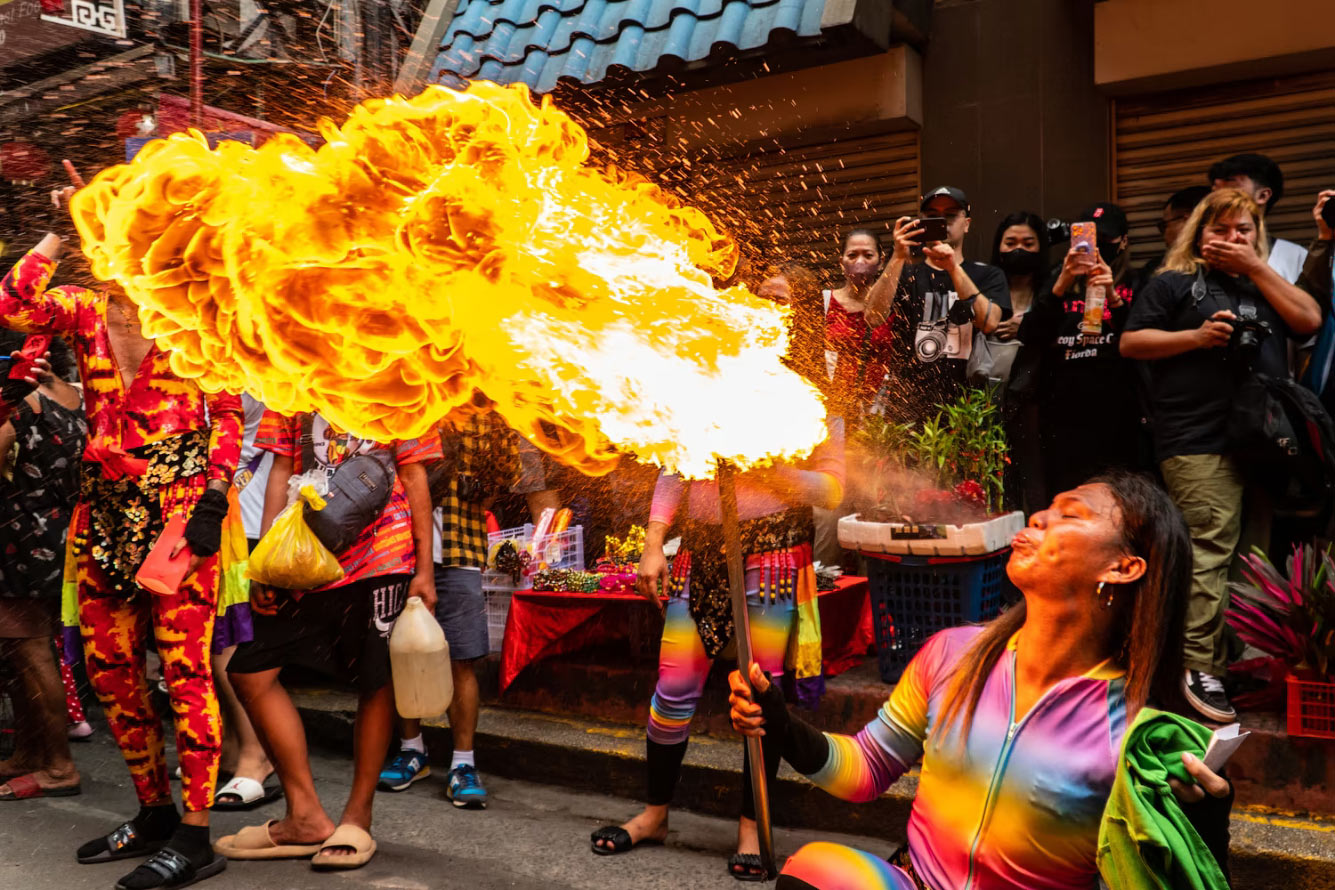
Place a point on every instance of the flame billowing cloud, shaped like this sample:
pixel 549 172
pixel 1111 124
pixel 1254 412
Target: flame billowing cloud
pixel 434 247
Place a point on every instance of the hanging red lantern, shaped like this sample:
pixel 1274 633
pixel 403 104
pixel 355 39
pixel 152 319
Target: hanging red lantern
pixel 23 162
pixel 53 7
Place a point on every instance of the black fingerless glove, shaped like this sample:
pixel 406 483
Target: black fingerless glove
pixel 204 530
pixel 14 391
pixel 962 311
pixel 804 747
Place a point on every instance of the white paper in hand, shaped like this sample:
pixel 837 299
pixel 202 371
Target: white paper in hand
pixel 1223 742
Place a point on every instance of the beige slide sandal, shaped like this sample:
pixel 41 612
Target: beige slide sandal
pixel 351 836
pixel 254 842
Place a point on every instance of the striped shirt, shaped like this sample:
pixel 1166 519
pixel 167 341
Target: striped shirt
pixel 386 546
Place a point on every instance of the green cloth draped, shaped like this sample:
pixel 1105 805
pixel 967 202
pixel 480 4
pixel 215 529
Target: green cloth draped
pixel 1145 841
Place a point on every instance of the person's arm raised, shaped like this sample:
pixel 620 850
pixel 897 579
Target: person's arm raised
pixel 1299 311
pixel 981 312
pixel 881 296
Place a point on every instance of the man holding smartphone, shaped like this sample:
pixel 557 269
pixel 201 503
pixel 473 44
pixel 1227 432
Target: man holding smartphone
pixel 934 305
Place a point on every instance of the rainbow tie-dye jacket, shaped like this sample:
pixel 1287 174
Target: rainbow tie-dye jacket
pixel 1019 804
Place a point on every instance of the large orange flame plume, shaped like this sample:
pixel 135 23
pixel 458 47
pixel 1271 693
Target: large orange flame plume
pixel 446 245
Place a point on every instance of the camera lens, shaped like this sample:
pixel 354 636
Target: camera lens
pixel 930 345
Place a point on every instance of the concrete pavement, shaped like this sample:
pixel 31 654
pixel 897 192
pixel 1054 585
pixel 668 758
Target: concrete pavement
pixel 533 836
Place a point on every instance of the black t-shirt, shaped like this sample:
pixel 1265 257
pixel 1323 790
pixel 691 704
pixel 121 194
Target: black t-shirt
pixel 1088 397
pixel 1191 394
pixel 924 297
pixel 1076 372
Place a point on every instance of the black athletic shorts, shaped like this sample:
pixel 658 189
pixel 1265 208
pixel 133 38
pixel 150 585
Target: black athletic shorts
pixel 343 633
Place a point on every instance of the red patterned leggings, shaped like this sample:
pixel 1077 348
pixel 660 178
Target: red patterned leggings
pixel 115 634
pixel 73 707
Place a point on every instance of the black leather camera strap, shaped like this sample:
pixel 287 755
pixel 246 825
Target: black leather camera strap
pixel 1243 307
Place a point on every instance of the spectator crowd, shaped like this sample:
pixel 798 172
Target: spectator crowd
pixel 1101 368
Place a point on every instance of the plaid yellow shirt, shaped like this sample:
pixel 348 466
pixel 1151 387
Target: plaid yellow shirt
pixel 484 448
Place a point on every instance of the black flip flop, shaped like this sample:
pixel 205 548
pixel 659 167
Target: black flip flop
pixel 175 870
pixel 123 843
pixel 620 838
pixel 740 866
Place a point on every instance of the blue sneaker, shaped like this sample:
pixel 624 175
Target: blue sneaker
pixel 465 788
pixel 400 773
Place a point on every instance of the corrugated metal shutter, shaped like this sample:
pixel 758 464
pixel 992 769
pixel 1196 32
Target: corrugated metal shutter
pixel 1167 141
pixel 794 203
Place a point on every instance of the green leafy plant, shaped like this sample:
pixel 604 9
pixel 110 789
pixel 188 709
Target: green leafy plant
pixel 962 449
pixel 1289 616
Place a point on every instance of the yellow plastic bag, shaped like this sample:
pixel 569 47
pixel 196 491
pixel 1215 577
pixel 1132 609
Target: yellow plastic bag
pixel 289 555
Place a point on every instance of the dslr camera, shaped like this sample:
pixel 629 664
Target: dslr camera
pixel 1059 230
pixel 1248 335
pixel 930 341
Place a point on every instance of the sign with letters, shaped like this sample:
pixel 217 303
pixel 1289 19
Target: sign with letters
pixel 25 32
pixel 106 17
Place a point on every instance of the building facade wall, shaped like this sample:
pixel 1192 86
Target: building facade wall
pixel 1011 113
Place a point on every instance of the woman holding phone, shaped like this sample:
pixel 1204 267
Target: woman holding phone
pixel 1087 396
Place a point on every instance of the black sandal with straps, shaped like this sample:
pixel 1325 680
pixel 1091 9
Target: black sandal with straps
pixel 171 871
pixel 123 843
pixel 618 837
pixel 747 867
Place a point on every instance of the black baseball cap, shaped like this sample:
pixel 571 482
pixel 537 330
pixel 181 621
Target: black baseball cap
pixel 946 191
pixel 1108 218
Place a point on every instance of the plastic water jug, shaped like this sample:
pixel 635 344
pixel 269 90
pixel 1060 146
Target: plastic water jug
pixel 420 660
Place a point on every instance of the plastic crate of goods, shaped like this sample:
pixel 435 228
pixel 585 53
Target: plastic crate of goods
pixel 1311 706
pixel 913 597
pixel 512 551
pixel 928 539
pixel 498 610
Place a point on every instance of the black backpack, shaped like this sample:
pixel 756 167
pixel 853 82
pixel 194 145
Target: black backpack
pixel 1280 432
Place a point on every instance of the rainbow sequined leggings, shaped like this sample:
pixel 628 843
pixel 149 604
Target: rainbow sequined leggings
pixel 115 634
pixel 683 668
pixel 827 866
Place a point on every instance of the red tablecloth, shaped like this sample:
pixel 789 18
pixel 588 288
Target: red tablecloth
pixel 541 625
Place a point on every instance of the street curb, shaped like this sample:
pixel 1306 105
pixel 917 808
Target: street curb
pixel 703 788
pixel 1267 851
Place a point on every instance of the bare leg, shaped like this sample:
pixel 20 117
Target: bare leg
pixel 279 729
pixel 243 755
pixel 371 736
pixel 464 706
pixel 409 728
pixel 40 704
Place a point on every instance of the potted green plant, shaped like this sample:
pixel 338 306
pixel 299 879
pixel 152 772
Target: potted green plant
pixel 934 487
pixel 1290 618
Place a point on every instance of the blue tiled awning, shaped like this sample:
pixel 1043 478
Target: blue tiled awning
pixel 539 42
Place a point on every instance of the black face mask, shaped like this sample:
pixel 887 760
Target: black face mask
pixel 1020 262
pixel 1110 251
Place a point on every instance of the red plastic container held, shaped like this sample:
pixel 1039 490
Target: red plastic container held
pixel 34 348
pixel 160 573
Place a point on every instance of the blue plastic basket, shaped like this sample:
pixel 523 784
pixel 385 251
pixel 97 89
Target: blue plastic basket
pixel 913 597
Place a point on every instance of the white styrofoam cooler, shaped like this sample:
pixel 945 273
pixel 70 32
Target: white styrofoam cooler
pixel 929 540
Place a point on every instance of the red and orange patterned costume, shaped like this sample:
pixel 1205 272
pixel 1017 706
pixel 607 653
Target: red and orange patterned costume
pixel 152 450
